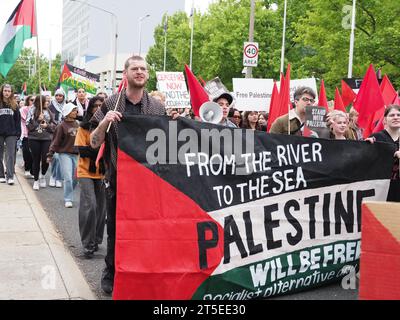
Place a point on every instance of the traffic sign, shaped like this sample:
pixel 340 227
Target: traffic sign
pixel 250 54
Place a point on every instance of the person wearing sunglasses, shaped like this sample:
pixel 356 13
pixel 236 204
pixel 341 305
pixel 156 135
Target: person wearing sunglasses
pixel 235 117
pixel 303 97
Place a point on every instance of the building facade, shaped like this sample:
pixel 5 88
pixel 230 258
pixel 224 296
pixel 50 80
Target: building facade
pixel 88 33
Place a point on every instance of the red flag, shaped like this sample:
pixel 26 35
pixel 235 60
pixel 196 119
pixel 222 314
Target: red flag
pixel 389 94
pixel 379 126
pixel 323 101
pixel 122 85
pixel 197 93
pixel 274 106
pixel 338 101
pixel 284 94
pixel 369 98
pixel 348 94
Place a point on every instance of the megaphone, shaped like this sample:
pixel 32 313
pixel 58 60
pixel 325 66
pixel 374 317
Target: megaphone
pixel 210 112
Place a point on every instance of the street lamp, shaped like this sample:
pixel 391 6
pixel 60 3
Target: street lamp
pixel 114 80
pixel 140 31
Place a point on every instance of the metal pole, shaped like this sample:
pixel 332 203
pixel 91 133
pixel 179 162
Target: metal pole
pixel 283 38
pixel 191 35
pixel 249 70
pixel 38 60
pixel 140 36
pixel 165 40
pixel 353 26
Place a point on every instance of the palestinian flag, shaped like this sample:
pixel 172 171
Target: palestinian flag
pixel 209 212
pixel 20 26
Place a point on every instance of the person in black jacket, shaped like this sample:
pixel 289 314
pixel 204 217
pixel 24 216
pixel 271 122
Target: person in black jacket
pixel 10 131
pixel 391 134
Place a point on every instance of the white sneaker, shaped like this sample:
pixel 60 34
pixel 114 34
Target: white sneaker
pixel 36 185
pixel 10 181
pixel 3 180
pixel 58 184
pixel 68 204
pixel 52 182
pixel 42 182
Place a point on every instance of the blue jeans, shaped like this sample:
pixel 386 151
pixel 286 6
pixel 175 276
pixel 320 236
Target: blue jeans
pixel 56 167
pixel 68 162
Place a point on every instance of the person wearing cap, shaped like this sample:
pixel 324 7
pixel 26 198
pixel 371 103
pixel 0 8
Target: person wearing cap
pixel 64 144
pixel 56 107
pixel 224 100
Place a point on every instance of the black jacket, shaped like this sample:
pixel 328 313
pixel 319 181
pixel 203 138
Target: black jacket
pixel 10 122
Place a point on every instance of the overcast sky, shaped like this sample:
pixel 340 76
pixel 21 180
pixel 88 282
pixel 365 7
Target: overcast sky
pixel 50 20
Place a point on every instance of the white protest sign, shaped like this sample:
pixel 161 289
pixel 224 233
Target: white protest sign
pixel 173 85
pixel 252 94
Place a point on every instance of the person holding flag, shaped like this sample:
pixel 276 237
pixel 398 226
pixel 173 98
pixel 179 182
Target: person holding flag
pixel 303 97
pixel 134 100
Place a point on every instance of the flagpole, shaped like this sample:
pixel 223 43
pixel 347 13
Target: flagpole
pixel 165 40
pixel 353 26
pixel 38 58
pixel 191 34
pixel 283 38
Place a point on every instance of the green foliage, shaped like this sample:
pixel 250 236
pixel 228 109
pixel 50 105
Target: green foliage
pixel 20 72
pixel 317 40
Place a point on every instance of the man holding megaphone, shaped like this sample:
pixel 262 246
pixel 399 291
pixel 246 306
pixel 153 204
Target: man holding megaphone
pixel 218 110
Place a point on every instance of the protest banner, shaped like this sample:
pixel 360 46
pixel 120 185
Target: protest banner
pixel 316 121
pixel 252 94
pixel 173 85
pixel 214 213
pixel 215 88
pixel 75 78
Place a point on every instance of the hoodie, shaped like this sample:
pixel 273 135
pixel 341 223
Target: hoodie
pixel 10 122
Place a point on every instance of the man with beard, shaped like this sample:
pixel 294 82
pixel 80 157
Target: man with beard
pixel 133 100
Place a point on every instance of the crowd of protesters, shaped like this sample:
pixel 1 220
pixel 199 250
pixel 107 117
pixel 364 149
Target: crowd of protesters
pixel 67 135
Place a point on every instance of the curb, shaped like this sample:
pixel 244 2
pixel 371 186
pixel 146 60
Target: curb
pixel 73 279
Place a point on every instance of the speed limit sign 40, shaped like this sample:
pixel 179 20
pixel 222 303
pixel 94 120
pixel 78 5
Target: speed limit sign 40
pixel 250 54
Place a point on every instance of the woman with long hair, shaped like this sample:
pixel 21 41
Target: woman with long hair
pixel 10 131
pixel 26 153
pixel 41 126
pixel 92 212
pixel 236 117
pixel 391 134
pixel 338 125
pixel 262 121
pixel 250 120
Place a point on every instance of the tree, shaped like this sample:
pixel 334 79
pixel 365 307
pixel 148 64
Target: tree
pixel 317 40
pixel 24 70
